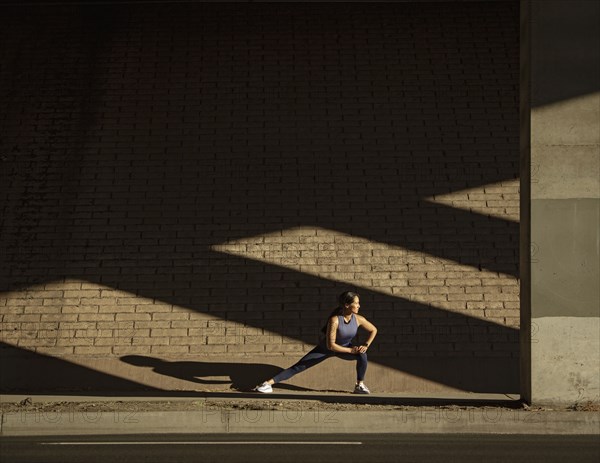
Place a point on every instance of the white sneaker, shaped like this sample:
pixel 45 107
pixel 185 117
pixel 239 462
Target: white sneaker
pixel 265 388
pixel 360 388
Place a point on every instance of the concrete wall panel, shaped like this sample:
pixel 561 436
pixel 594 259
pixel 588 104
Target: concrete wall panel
pixel 568 348
pixel 565 258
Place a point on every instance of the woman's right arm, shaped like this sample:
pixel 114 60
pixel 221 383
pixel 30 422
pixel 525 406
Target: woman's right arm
pixel 332 327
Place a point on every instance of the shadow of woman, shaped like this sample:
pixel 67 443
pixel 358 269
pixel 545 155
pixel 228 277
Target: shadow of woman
pixel 241 376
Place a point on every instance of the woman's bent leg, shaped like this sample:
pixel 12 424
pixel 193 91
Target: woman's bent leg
pixel 315 356
pixel 361 366
pixel 361 363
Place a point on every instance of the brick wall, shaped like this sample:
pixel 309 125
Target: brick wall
pixel 202 180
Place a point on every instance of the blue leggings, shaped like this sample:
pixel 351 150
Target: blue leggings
pixel 317 355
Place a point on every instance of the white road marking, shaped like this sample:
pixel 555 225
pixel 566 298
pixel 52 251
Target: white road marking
pixel 205 443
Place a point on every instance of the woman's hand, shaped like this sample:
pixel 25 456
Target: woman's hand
pixel 359 349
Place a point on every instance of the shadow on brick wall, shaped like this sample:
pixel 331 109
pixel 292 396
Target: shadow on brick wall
pixel 136 139
pixel 242 377
pixel 26 371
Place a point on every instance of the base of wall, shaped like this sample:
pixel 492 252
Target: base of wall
pixel 36 373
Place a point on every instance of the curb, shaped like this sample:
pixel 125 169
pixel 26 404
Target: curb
pixel 219 421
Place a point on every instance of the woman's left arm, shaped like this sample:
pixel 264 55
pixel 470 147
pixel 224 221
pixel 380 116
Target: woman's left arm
pixel 367 325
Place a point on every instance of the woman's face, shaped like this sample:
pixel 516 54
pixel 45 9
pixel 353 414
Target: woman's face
pixel 355 305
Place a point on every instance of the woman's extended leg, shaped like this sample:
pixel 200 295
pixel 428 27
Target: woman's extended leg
pixel 315 356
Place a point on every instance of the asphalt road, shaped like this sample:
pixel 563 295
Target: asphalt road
pixel 302 448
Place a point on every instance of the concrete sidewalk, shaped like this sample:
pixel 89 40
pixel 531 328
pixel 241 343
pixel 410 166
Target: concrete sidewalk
pixel 306 413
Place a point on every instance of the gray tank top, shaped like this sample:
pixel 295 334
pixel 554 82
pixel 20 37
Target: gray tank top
pixel 346 331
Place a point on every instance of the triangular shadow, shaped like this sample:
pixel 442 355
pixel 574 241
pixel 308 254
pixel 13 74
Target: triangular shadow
pixel 47 374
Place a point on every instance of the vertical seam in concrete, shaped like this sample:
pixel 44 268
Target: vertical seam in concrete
pixel 525 196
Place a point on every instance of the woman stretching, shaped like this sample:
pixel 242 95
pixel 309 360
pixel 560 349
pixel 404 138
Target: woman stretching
pixel 341 328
